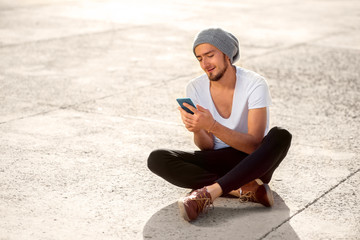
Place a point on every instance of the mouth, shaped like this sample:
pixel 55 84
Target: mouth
pixel 209 70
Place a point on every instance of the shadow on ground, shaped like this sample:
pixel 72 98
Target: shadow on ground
pixel 229 219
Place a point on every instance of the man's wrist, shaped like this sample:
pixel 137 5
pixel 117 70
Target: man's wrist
pixel 212 126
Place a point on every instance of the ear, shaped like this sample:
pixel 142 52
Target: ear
pixel 227 59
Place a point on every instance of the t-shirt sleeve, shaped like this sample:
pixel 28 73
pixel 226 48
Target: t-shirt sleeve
pixel 259 95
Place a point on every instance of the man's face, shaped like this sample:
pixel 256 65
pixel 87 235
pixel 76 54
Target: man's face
pixel 212 61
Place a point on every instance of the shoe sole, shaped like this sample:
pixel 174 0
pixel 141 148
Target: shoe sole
pixel 183 212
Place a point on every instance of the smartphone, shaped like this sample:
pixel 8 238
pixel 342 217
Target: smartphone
pixel 185 100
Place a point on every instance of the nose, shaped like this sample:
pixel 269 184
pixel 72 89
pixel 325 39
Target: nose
pixel 204 63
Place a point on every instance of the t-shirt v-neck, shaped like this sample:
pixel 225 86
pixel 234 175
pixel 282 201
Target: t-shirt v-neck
pixel 218 115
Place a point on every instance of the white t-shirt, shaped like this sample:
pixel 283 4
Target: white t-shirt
pixel 251 91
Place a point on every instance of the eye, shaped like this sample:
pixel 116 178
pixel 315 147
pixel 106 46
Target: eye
pixel 211 55
pixel 199 59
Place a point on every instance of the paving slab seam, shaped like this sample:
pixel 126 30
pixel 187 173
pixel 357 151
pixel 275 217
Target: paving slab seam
pixel 53 110
pixel 73 36
pixel 296 45
pixel 137 118
pixel 146 119
pixel 71 106
pixel 310 204
pixel 29 116
pixel 37 5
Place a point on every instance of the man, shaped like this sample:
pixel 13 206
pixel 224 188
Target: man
pixel 238 154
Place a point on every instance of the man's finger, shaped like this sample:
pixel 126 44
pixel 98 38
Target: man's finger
pixel 200 108
pixel 182 110
pixel 184 113
pixel 191 108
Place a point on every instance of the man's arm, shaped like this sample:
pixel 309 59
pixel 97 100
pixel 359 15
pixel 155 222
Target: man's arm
pixel 204 140
pixel 245 142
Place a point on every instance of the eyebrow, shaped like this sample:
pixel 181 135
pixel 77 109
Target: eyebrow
pixel 205 53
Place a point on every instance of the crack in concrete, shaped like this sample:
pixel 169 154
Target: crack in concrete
pixel 309 204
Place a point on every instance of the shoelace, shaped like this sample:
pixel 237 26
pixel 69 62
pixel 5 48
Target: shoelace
pixel 203 203
pixel 247 197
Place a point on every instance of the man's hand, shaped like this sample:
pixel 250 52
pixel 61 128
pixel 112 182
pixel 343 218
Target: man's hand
pixel 201 119
pixel 199 123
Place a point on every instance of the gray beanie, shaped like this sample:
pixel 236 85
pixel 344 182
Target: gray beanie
pixel 222 40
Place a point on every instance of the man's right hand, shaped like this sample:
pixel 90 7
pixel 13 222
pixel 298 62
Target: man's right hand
pixel 187 120
pixel 202 138
pixel 202 119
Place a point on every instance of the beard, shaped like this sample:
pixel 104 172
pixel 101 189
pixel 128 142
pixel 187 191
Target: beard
pixel 220 74
pixel 217 76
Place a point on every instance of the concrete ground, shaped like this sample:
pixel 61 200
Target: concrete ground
pixel 88 88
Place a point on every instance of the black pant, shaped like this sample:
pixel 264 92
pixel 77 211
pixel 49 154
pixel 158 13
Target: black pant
pixel 228 167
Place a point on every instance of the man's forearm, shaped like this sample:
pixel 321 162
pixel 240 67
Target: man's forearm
pixel 241 141
pixel 203 140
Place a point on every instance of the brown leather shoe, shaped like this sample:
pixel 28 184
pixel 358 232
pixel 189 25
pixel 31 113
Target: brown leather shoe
pixel 194 204
pixel 258 192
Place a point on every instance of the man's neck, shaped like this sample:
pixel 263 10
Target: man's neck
pixel 228 80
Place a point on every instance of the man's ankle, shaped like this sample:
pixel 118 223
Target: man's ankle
pixel 214 190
